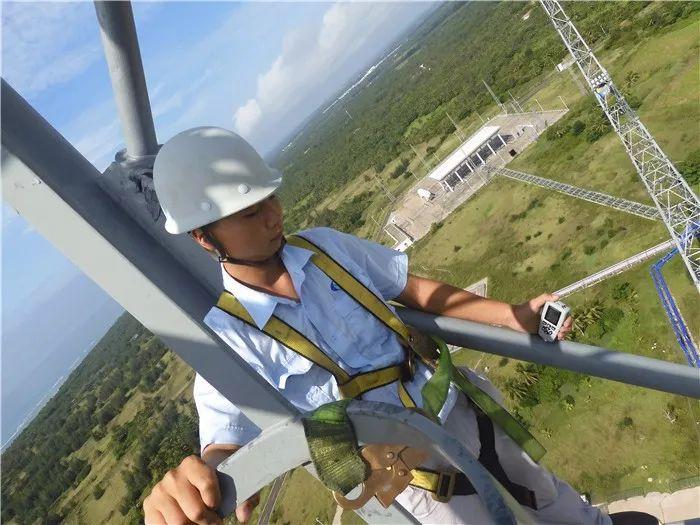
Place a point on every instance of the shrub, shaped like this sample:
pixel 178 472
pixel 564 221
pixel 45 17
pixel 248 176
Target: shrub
pixel 537 234
pixel 625 422
pixel 633 100
pixel 589 249
pixel 435 226
pixel 528 269
pixel 561 219
pixel 97 491
pixel 528 237
pixel 577 127
pixel 456 248
pixel 555 132
pixel 503 362
pixel 98 433
pixel 610 318
pixel 623 291
pixel 569 402
pixel 604 243
pixel 690 168
pixel 396 173
pixel 566 254
pixel 579 227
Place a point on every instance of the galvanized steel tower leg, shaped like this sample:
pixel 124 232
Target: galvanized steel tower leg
pixel 121 47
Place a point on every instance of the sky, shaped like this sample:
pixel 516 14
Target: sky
pixel 256 68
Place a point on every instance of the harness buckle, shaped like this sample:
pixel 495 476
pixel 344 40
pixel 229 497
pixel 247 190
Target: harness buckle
pixel 390 474
pixel 445 486
pixel 408 366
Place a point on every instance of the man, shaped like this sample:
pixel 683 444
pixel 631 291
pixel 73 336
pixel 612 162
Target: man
pixel 212 184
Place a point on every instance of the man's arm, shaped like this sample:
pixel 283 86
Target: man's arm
pixel 444 299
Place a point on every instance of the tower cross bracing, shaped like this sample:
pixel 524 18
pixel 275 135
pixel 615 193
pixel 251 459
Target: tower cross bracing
pixel 678 205
pixel 596 197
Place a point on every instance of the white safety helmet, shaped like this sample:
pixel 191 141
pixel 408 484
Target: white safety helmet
pixel 204 174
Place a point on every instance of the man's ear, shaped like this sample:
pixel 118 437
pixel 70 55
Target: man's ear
pixel 201 238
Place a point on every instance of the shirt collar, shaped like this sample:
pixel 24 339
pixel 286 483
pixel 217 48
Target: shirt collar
pixel 261 305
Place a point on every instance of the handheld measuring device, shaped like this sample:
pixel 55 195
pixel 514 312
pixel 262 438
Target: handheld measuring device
pixel 553 316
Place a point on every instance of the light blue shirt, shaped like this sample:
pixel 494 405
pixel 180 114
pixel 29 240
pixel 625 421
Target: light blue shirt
pixel 328 317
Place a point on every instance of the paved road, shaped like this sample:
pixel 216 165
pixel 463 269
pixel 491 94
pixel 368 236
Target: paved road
pixel 675 507
pixel 264 518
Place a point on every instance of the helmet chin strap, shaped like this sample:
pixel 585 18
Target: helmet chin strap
pixel 223 257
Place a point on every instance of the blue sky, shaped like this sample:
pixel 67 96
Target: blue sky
pixel 256 68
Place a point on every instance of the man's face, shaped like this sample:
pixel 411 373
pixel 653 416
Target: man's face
pixel 252 234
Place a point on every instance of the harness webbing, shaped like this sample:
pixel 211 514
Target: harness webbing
pixel 284 334
pixel 349 386
pixel 488 406
pixel 353 287
pixel 434 392
pixel 441 483
pixel 333 447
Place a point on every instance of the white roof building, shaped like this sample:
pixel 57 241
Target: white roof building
pixel 464 151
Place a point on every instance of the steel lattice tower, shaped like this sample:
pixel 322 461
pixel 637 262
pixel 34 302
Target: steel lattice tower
pixel 678 205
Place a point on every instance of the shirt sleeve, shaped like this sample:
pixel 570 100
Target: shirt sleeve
pixel 220 421
pixel 386 268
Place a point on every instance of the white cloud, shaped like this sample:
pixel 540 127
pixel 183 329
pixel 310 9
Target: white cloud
pixel 247 117
pixel 315 61
pixel 47 43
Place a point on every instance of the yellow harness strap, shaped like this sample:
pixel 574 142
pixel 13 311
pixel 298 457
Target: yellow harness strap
pixel 360 293
pixel 352 287
pixel 381 311
pixel 349 386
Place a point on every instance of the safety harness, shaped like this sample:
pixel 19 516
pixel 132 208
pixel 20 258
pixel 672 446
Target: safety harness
pixel 441 484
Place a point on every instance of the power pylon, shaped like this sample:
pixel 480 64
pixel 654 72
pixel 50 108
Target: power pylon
pixel 678 205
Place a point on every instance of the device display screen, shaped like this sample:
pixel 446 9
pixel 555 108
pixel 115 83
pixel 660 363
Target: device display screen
pixel 552 315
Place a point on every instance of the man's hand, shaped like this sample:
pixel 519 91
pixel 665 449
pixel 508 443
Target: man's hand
pixel 526 316
pixel 190 494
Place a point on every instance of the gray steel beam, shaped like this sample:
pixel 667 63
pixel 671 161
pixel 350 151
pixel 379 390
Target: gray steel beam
pixel 121 47
pixel 55 189
pixel 584 359
pixel 52 186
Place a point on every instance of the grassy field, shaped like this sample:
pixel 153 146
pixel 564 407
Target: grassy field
pixel 613 437
pixel 663 74
pixel 587 444
pixel 80 504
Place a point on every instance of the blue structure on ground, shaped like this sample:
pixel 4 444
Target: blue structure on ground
pixel 674 316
